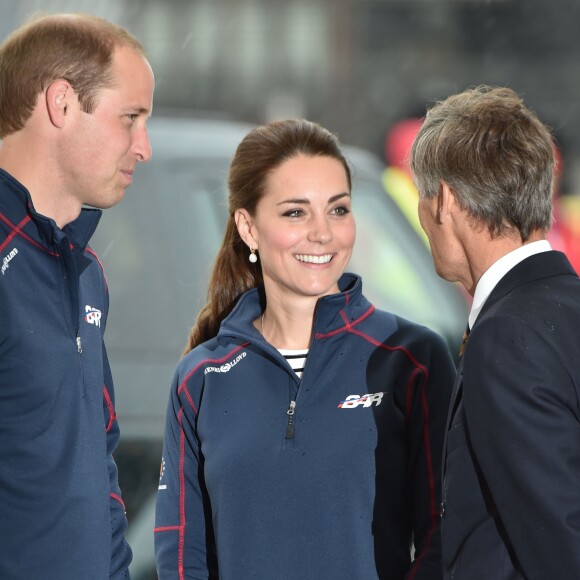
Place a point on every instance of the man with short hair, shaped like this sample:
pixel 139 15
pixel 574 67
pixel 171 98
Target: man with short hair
pixel 75 94
pixel 483 164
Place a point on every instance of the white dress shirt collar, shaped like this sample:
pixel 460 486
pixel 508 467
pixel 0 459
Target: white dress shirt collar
pixel 498 270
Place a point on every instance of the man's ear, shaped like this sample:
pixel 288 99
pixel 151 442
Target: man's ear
pixel 58 96
pixel 446 202
pixel 245 225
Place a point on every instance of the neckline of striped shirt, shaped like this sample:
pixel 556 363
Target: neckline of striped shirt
pixel 296 359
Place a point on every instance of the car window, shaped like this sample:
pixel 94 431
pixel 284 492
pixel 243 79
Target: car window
pixel 158 248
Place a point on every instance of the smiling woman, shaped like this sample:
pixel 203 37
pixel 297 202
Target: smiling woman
pixel 304 231
pixel 264 447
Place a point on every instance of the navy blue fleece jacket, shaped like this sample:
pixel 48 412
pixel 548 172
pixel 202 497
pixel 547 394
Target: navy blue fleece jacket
pixel 340 489
pixel 61 513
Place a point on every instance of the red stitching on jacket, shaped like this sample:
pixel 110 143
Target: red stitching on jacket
pixel 93 253
pixel 181 541
pixel 167 529
pixel 347 324
pixel 118 498
pixel 14 233
pixel 183 384
pixel 181 527
pixel 17 231
pixel 110 407
pixel 182 516
pixel 431 478
pixel 409 398
pixel 419 368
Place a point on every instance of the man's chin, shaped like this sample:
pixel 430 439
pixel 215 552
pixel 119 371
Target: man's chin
pixel 447 276
pixel 109 202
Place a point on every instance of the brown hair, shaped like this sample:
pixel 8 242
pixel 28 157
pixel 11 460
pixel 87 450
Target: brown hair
pixel 494 153
pixel 75 47
pixel 261 151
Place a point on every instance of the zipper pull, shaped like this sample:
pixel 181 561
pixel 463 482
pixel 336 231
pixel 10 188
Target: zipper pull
pixel 79 344
pixel 290 425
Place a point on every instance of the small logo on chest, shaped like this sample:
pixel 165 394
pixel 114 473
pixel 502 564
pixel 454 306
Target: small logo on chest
pixel 93 315
pixel 353 401
pixel 6 260
pixel 226 367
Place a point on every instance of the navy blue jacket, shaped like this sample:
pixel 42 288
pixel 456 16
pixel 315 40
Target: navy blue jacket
pixel 339 489
pixel 61 513
pixel 511 485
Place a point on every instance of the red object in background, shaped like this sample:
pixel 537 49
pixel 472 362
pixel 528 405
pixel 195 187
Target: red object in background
pixel 399 142
pixel 565 233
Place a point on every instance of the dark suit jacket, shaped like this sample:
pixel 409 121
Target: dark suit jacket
pixel 511 473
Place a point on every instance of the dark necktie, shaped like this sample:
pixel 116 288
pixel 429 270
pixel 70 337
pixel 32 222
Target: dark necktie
pixel 464 341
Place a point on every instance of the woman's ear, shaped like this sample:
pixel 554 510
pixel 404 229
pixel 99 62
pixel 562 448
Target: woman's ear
pixel 59 96
pixel 246 229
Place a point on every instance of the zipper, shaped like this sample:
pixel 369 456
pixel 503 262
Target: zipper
pixel 290 424
pixel 71 283
pixel 71 287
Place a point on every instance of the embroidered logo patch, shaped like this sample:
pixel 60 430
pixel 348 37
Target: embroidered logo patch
pixel 226 367
pixel 353 401
pixel 6 259
pixel 93 315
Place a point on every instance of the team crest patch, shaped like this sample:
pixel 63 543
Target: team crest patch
pixel 353 401
pixel 93 315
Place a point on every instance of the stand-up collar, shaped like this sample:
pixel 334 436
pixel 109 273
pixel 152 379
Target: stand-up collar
pixel 328 316
pixel 18 211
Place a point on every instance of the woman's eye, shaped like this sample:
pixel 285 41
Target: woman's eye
pixel 293 213
pixel 341 210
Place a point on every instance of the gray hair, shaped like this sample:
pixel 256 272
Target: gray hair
pixel 494 153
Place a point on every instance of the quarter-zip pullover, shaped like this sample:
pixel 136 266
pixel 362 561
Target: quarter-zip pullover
pixel 61 513
pixel 266 476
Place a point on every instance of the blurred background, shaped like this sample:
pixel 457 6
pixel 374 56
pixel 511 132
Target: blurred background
pixel 366 70
pixel 356 66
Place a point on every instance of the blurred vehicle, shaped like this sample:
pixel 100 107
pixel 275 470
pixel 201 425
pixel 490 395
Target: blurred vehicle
pixel 398 181
pixel 158 248
pixel 397 175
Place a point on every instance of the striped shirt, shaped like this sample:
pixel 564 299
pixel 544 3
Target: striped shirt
pixel 296 359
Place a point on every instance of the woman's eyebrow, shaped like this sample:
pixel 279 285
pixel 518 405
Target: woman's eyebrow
pixel 299 200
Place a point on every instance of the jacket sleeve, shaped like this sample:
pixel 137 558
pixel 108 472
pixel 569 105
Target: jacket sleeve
pixel 120 551
pixel 523 425
pixel 432 383
pixel 184 545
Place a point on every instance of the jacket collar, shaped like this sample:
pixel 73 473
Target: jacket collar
pixel 16 206
pixel 329 314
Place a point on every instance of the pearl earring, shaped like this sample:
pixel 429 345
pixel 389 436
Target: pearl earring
pixel 252 257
